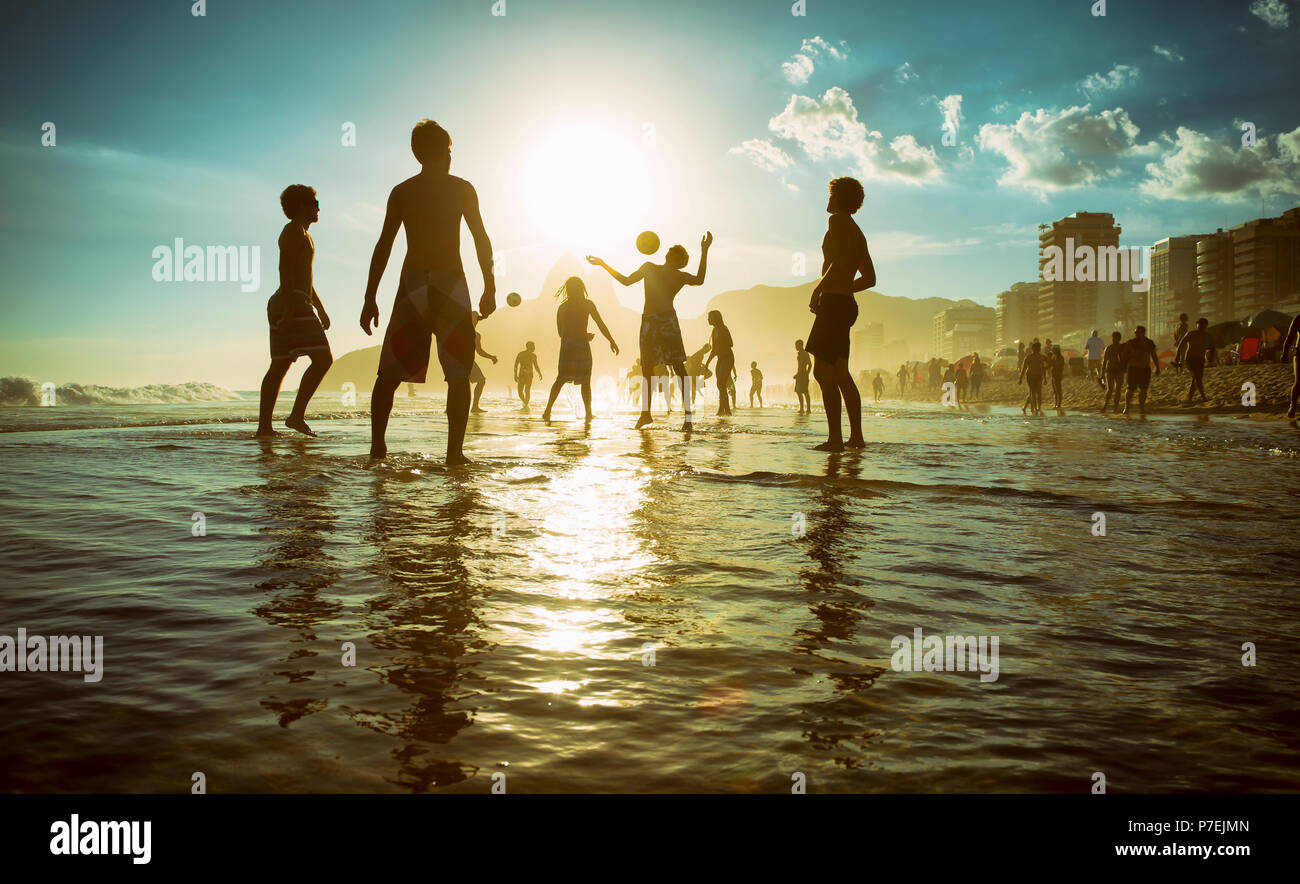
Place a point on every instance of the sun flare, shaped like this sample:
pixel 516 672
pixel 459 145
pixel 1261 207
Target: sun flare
pixel 583 184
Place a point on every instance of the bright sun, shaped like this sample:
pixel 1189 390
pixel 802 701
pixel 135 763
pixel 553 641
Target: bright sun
pixel 583 185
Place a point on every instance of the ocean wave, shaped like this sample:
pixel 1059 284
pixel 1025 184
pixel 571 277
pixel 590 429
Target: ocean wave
pixel 26 392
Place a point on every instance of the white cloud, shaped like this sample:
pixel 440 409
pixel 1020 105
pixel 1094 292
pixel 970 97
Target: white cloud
pixel 1272 13
pixel 801 66
pixel 764 154
pixel 1051 150
pixel 1171 54
pixel 898 243
pixel 829 129
pixel 904 73
pixel 1120 75
pixel 1199 167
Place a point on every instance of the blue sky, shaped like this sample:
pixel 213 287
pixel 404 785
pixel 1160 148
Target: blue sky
pixel 728 116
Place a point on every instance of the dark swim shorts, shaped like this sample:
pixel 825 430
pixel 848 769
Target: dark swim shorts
pixel 829 338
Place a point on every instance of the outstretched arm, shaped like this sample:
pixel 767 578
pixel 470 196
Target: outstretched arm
pixel 600 324
pixel 705 242
pixel 478 348
pixel 625 280
pixel 379 260
pixel 483 247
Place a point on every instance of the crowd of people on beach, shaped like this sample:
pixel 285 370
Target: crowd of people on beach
pixel 432 308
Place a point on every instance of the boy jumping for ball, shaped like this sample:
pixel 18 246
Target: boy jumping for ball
pixel 661 333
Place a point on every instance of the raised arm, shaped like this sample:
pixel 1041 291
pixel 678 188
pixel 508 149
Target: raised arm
pixel 483 247
pixel 698 278
pixel 625 280
pixel 379 260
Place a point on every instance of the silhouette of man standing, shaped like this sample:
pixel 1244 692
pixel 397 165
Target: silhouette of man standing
pixel 432 296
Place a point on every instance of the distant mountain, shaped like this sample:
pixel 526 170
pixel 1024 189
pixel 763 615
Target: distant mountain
pixel 764 322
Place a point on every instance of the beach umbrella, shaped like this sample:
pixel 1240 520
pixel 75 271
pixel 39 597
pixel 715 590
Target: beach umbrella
pixel 1224 334
pixel 1166 357
pixel 1266 319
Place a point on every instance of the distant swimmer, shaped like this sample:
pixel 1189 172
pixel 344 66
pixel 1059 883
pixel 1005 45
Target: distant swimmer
pixel 755 385
pixel 525 364
pixel 1139 354
pixel 661 332
pixel 1113 365
pixel 575 342
pixel 1032 370
pixel 846 270
pixel 1194 349
pixel 296 315
pixel 432 296
pixel 720 348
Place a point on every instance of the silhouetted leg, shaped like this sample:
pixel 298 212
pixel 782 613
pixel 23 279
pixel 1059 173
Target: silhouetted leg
pixel 688 410
pixel 550 402
pixel 848 389
pixel 270 391
pixel 586 398
pixel 381 405
pixel 1295 387
pixel 311 378
pixel 457 417
pixel 478 394
pixel 646 392
pixel 824 372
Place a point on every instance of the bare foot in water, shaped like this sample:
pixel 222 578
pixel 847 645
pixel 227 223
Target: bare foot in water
pixel 297 423
pixel 546 416
pixel 378 452
pixel 477 410
pixel 687 427
pixel 457 460
pixel 644 419
pixel 267 434
pixel 856 442
pixel 829 445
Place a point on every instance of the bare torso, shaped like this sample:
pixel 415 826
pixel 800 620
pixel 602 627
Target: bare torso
pixel 431 206
pixel 296 253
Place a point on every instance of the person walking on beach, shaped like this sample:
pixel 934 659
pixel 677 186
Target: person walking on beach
pixel 1096 349
pixel 720 348
pixel 295 314
pixel 755 385
pixel 575 342
pixel 525 364
pixel 961 380
pixel 1293 337
pixel 1194 348
pixel 661 333
pixel 1056 362
pixel 1139 353
pixel 936 374
pixel 846 270
pixel 432 295
pixel 1179 334
pixel 476 376
pixel 1020 355
pixel 1032 369
pixel 802 368
pixel 1113 364
pixel 902 378
pixel 976 376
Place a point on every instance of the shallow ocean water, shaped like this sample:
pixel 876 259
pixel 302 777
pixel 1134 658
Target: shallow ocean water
pixel 504 614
